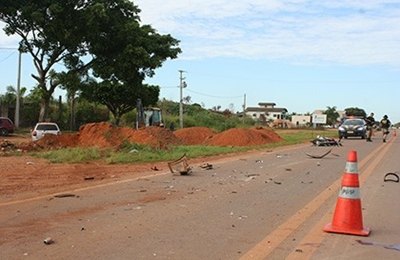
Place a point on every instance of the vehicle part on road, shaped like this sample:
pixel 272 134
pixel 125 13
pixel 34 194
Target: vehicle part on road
pixel 347 218
pixel 206 166
pixel 48 241
pixel 319 156
pixel 387 246
pixel 325 141
pixel 66 195
pixel 181 165
pixel 388 177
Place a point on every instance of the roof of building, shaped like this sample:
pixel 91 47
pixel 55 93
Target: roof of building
pixel 266 109
pixel 266 104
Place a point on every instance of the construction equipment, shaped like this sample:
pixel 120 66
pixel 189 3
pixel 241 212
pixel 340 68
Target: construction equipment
pixel 149 116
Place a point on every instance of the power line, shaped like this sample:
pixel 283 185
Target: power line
pixel 12 53
pixel 169 86
pixel 213 96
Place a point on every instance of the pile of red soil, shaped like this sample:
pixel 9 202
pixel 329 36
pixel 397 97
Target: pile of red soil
pixel 106 135
pixel 194 135
pixel 244 137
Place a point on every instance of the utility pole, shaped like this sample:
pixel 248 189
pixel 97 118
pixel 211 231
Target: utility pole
pixel 182 85
pixel 244 107
pixel 17 105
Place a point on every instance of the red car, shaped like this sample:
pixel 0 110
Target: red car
pixel 6 126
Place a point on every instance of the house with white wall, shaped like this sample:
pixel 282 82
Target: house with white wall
pixel 301 120
pixel 266 112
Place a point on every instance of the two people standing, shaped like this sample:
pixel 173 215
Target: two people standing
pixel 384 124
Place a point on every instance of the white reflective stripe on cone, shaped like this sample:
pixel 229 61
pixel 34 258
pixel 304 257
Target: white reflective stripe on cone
pixel 351 167
pixel 349 193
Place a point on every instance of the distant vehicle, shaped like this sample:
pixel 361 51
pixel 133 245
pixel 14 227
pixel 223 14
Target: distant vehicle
pixel 353 127
pixel 6 126
pixel 45 128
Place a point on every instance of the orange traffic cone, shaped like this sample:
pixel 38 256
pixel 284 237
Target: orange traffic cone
pixel 347 218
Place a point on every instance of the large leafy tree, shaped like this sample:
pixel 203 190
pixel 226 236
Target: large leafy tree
pixel 125 55
pixel 102 37
pixel 51 31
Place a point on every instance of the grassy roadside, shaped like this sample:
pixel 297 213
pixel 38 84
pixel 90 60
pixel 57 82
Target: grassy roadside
pixel 134 153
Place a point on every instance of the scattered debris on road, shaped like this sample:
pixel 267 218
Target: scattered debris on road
pixel 65 195
pixel 181 165
pixel 319 156
pixel 387 246
pixel 325 141
pixel 154 168
pixel 391 176
pixel 48 241
pixel 206 166
pixel 7 146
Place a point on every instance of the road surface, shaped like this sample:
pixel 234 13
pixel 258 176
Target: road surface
pixel 270 204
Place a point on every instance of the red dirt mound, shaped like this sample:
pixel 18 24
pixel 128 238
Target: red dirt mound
pixel 244 137
pixel 106 135
pixel 194 135
pixel 154 136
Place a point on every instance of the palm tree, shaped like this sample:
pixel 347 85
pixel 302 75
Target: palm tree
pixel 10 98
pixel 331 115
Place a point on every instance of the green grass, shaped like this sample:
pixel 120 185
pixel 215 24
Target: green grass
pixel 135 153
pixel 73 155
pixel 139 153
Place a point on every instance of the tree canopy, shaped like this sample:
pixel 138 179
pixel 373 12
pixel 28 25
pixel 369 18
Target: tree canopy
pixel 355 111
pixel 104 38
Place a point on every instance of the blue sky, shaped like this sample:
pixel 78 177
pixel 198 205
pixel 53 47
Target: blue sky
pixel 301 55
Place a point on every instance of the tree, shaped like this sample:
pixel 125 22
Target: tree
pixel 105 36
pixel 51 31
pixel 9 98
pixel 120 98
pixel 355 111
pixel 126 54
pixel 72 82
pixel 331 115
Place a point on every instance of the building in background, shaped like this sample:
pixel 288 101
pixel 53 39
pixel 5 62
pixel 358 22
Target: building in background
pixel 301 120
pixel 267 113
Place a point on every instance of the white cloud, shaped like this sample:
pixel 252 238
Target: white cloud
pixel 347 32
pixel 358 32
pixel 7 41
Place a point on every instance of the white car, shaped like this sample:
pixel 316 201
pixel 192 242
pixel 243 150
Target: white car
pixel 45 128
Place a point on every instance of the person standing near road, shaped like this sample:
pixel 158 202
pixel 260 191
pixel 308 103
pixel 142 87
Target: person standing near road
pixel 385 124
pixel 370 120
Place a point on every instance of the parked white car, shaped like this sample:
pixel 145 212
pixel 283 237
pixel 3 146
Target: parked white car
pixel 45 128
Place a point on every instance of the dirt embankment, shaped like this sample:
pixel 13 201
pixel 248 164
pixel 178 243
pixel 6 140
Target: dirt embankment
pixel 105 135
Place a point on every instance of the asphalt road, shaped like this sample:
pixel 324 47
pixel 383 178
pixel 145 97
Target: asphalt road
pixel 263 205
